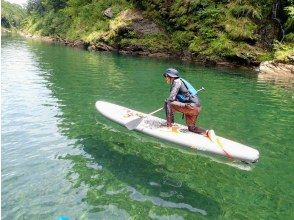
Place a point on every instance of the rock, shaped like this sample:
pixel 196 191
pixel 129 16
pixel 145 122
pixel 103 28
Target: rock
pixel 108 13
pixel 125 52
pixel 91 48
pixel 103 47
pixel 79 44
pixel 48 39
pixel 145 27
pixel 130 15
pixel 276 71
pixel 291 59
pixel 186 56
pixel 133 48
pixel 159 55
pixel 133 20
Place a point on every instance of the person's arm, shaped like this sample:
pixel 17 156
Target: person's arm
pixel 174 90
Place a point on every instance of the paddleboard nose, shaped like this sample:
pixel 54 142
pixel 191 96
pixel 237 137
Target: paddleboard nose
pixel 255 156
pixel 99 104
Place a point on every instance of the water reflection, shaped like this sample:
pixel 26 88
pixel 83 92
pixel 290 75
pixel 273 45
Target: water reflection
pixel 122 173
pixel 114 172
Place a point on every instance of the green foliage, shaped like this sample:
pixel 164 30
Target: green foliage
pixel 153 42
pixel 221 46
pixel 289 37
pixel 282 52
pixel 207 32
pixel 240 29
pixel 42 6
pixel 55 24
pixel 53 4
pixel 182 39
pixel 197 45
pixel 215 29
pixel 267 56
pixel 73 19
pixel 212 13
pixel 35 6
pixel 245 10
pixel 217 47
pixel 12 15
pixel 289 25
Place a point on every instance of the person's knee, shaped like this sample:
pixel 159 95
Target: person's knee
pixel 198 110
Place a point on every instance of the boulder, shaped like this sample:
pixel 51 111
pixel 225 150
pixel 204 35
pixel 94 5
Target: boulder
pixel 79 44
pixel 103 47
pixel 108 13
pixel 133 20
pixel 144 27
pixel 276 71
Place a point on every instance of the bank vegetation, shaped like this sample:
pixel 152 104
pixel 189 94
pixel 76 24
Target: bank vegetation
pixel 243 32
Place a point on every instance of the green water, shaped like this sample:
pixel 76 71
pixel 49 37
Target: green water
pixel 60 157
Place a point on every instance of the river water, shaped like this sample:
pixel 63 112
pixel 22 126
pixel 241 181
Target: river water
pixel 60 157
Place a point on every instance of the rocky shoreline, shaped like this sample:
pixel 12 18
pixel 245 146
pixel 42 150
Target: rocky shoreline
pixel 268 70
pixel 275 71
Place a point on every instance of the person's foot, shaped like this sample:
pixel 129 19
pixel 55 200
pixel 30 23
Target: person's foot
pixel 211 135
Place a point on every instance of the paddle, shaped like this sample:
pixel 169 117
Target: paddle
pixel 199 90
pixel 131 125
pixel 222 147
pixel 217 141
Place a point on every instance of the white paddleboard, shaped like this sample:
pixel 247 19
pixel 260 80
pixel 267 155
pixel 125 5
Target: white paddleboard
pixel 178 134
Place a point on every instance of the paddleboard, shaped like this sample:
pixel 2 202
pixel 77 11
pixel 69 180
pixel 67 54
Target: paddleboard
pixel 178 134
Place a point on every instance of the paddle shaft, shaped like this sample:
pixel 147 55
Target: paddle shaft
pixel 222 147
pixel 155 111
pixel 202 88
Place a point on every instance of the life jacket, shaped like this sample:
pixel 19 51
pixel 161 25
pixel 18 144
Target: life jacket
pixel 192 92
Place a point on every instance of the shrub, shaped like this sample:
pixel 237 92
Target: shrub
pixel 197 45
pixel 289 37
pixel 221 46
pixel 240 29
pixel 182 39
pixel 282 52
pixel 154 42
pixel 245 11
pixel 12 15
pixel 266 56
pixel 289 25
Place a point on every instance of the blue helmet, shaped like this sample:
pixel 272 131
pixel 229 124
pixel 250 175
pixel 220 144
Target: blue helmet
pixel 171 73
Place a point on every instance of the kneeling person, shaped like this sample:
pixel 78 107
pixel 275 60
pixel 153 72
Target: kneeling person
pixel 181 100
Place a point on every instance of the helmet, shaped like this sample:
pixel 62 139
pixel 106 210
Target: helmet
pixel 171 73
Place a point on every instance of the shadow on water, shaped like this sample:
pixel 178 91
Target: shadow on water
pixel 118 174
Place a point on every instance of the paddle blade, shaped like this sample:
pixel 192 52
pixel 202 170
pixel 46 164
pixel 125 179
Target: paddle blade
pixel 131 125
